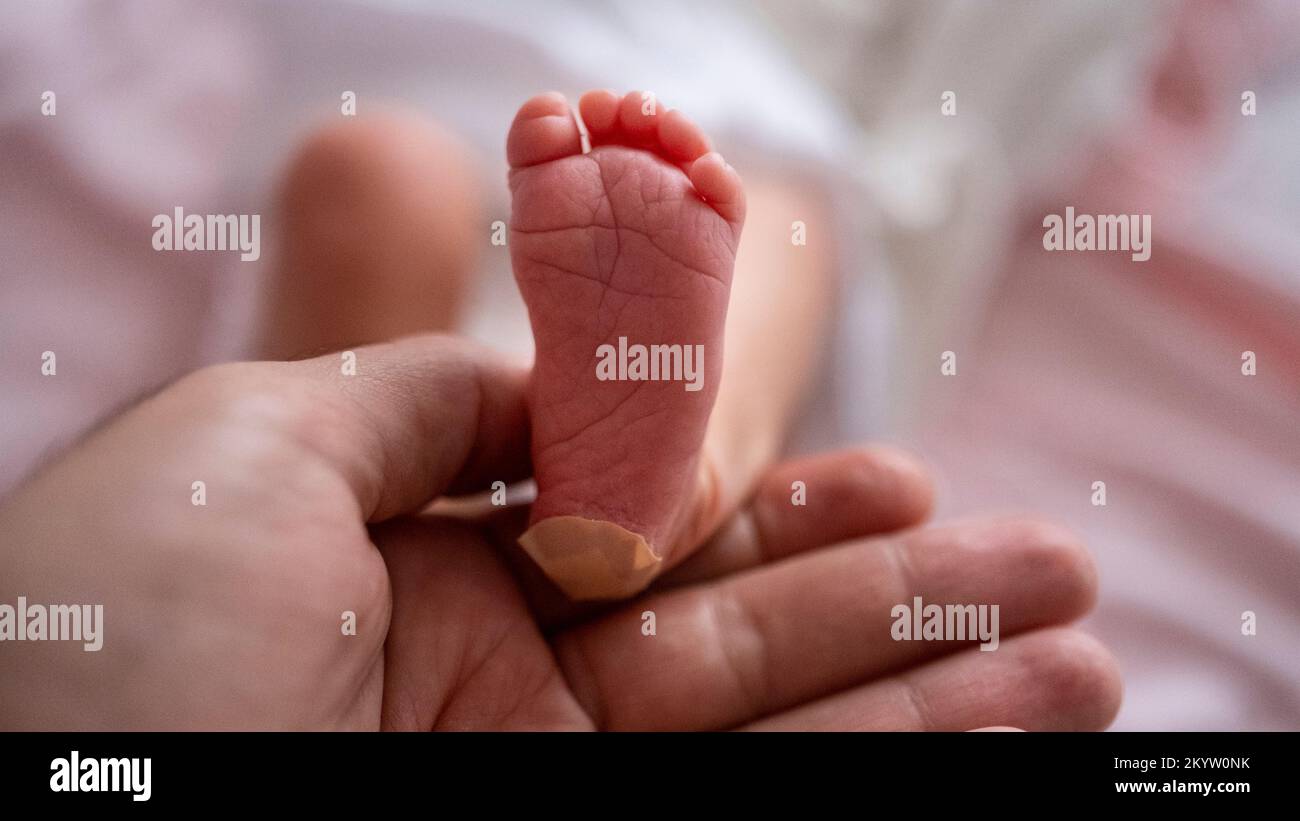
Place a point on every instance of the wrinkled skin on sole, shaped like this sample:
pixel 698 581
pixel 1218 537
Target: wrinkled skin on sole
pixel 617 243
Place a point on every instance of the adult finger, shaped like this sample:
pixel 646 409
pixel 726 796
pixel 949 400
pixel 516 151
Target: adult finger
pixel 1055 679
pixel 401 422
pixel 731 651
pixel 807 503
pixel 842 495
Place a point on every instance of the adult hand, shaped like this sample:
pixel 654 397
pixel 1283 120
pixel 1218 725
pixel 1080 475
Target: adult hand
pixel 234 613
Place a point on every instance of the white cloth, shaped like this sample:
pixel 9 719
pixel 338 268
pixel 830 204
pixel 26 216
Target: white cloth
pixel 1075 368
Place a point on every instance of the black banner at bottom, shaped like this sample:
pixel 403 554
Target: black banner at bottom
pixel 674 771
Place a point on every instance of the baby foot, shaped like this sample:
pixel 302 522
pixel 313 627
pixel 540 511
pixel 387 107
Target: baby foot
pixel 380 225
pixel 624 257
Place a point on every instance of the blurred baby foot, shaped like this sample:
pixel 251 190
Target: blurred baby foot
pixel 379 217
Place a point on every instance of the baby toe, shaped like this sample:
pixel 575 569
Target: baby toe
pixel 543 130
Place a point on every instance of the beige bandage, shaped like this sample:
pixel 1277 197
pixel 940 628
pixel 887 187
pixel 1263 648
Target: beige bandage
pixel 591 559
